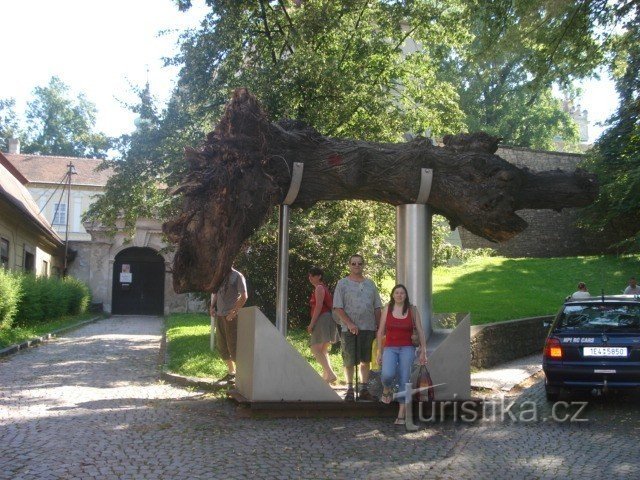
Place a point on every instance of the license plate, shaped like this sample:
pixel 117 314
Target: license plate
pixel 605 351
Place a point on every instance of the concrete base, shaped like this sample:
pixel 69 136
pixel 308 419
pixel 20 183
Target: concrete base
pixel 269 369
pixel 449 360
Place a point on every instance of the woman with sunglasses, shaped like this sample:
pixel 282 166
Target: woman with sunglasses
pixel 396 327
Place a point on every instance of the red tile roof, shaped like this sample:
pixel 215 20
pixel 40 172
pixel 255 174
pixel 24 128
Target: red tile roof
pixel 49 169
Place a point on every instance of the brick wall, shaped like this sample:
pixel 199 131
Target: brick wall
pixel 550 233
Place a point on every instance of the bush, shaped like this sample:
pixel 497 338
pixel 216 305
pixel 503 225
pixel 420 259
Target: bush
pixel 9 298
pixel 30 309
pixel 79 295
pixel 45 299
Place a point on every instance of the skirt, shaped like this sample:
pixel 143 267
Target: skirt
pixel 325 330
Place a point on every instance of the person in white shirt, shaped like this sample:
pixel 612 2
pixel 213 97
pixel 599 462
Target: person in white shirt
pixel 632 288
pixel 581 292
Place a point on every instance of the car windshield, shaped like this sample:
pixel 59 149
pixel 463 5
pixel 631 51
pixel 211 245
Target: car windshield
pixel 600 317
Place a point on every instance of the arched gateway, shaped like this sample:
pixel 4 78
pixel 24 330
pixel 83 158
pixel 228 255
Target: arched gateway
pixel 138 282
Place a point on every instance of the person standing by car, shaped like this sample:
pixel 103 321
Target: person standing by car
pixel 396 323
pixel 357 304
pixel 632 288
pixel 322 328
pixel 581 292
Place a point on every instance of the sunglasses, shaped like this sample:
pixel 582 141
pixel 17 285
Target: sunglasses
pixel 357 263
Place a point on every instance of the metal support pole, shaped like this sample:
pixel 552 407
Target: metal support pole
pixel 70 171
pixel 283 270
pixel 414 257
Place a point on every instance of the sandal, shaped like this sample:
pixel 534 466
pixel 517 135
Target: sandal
pixel 399 421
pixel 387 396
pixel 349 397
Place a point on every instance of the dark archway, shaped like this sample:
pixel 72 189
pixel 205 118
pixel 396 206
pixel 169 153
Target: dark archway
pixel 138 282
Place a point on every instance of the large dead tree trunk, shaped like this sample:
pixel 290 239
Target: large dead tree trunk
pixel 244 169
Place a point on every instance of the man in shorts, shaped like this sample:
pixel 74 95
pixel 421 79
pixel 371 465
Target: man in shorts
pixel 357 304
pixel 225 303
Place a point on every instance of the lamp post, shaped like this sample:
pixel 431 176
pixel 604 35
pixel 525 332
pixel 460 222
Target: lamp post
pixel 71 170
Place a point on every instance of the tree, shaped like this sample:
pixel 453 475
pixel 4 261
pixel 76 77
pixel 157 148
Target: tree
pixel 616 155
pixel 340 67
pixel 9 127
pixel 245 166
pixel 518 50
pixel 57 124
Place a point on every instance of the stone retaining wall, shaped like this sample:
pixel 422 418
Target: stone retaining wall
pixel 550 233
pixel 495 343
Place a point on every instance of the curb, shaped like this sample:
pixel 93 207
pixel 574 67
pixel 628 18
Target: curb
pixel 34 342
pixel 175 379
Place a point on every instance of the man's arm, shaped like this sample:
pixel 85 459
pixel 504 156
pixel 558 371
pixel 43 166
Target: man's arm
pixel 212 307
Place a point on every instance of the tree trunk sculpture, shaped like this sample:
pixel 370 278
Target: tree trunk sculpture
pixel 244 169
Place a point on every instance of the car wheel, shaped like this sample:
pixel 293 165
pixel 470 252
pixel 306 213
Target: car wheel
pixel 552 394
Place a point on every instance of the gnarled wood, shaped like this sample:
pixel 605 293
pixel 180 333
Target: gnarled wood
pixel 243 170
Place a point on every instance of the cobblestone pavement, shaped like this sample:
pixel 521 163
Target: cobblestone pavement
pixel 89 406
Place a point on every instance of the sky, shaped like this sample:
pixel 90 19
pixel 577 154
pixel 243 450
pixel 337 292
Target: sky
pixel 103 48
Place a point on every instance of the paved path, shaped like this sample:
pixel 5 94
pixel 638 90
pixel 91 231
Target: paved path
pixel 89 406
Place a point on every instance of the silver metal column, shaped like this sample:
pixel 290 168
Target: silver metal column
pixel 282 291
pixel 414 257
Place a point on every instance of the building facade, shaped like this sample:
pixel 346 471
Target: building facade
pixel 27 242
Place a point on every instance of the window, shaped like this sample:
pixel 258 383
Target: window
pixel 29 261
pixel 45 268
pixel 4 253
pixel 59 214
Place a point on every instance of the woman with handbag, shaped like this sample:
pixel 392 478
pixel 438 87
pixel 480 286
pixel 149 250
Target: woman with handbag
pixel 322 328
pixel 398 321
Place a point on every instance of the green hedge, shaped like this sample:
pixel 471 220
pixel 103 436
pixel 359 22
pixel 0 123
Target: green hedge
pixel 27 300
pixel 10 294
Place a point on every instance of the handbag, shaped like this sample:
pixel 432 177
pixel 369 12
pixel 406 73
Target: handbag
pixel 422 384
pixel 415 337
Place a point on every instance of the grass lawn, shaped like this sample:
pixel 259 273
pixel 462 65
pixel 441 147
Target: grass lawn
pixel 21 334
pixel 189 353
pixel 491 288
pixel 498 288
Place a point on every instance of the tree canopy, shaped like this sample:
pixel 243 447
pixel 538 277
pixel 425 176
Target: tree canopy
pixel 56 123
pixel 616 155
pixel 372 71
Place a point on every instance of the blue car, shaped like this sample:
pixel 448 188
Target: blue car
pixel 594 345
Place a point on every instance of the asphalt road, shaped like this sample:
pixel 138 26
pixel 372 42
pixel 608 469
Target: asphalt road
pixel 89 405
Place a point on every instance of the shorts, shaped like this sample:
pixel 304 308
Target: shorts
pixel 364 340
pixel 226 337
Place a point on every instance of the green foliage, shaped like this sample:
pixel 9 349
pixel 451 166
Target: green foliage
pixel 79 295
pixel 30 309
pixel 324 236
pixel 43 299
pixel 616 156
pixel 518 50
pixel 9 298
pixel 57 124
pixel 9 126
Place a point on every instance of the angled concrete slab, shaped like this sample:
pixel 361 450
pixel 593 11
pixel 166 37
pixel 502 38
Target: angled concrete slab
pixel 269 369
pixel 449 360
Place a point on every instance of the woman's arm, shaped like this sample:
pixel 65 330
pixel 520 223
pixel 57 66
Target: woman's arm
pixel 319 293
pixel 423 341
pixel 381 332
